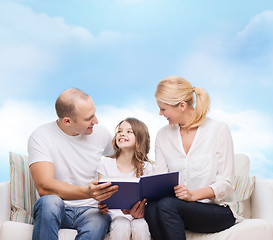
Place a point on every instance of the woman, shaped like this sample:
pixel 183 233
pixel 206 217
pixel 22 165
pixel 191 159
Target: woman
pixel 201 150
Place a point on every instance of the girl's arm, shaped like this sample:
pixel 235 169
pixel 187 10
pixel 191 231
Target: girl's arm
pixel 99 176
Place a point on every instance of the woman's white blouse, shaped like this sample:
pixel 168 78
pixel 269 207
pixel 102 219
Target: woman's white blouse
pixel 209 162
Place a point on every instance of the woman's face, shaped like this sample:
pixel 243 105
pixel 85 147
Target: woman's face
pixel 172 113
pixel 125 137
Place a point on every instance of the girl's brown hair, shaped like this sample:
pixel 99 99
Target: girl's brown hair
pixel 142 146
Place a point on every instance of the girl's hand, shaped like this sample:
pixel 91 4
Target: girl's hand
pixel 137 210
pixel 103 208
pixel 183 193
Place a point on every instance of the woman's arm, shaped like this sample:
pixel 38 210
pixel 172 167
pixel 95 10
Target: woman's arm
pixel 183 193
pixel 222 186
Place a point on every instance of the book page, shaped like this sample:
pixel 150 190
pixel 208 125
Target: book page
pixel 118 179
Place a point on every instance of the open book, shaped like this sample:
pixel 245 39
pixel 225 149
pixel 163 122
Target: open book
pixel 131 190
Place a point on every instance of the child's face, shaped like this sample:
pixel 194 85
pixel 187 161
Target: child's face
pixel 125 137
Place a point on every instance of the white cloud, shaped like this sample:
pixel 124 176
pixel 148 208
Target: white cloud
pixel 241 59
pixel 17 121
pixel 20 24
pixel 33 45
pixel 261 23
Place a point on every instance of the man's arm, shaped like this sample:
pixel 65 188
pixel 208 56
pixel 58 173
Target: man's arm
pixel 43 177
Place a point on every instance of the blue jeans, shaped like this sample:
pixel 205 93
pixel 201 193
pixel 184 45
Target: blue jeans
pixel 169 217
pixel 50 214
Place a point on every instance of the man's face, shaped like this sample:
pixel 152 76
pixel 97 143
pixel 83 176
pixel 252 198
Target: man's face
pixel 85 117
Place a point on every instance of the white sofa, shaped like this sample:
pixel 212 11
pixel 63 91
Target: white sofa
pixel 258 210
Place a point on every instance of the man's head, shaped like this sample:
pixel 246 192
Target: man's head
pixel 76 112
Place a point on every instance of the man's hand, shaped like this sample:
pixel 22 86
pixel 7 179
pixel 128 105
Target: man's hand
pixel 101 191
pixel 137 211
pixel 103 208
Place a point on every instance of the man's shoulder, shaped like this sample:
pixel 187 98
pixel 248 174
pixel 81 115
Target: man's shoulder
pixel 45 129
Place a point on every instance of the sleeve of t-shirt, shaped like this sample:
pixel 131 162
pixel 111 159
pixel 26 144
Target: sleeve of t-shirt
pixel 108 150
pixel 101 167
pixel 38 148
pixel 148 169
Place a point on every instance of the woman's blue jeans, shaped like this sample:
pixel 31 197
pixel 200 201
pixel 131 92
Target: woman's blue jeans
pixel 169 217
pixel 50 214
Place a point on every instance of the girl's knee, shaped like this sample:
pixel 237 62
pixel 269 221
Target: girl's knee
pixel 140 230
pixel 120 228
pixel 139 225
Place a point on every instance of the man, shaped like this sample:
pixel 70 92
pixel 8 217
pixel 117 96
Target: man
pixel 63 162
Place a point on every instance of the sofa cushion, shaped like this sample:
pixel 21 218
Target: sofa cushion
pixel 242 164
pixel 244 187
pixel 17 230
pixel 248 229
pixel 22 189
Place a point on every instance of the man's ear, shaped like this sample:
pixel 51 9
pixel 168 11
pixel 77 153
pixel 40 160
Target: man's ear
pixel 66 120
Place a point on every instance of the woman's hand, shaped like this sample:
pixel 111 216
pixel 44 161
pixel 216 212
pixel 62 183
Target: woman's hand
pixel 183 193
pixel 137 211
pixel 102 208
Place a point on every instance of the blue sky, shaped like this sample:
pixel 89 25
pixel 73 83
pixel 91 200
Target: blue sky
pixel 118 50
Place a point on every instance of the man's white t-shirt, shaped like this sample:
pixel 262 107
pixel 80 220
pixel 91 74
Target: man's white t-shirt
pixel 75 158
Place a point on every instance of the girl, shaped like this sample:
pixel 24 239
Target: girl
pixel 201 149
pixel 131 145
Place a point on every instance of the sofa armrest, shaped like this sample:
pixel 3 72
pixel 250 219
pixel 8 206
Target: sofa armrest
pixel 4 202
pixel 262 199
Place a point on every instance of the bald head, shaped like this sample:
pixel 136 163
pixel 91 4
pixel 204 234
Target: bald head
pixel 66 102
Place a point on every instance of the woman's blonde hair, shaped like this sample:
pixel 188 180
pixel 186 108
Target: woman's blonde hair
pixel 142 146
pixel 173 90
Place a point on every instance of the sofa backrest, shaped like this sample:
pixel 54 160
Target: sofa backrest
pixel 242 164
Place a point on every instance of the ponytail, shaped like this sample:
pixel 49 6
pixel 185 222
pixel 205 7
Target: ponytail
pixel 201 108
